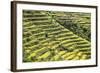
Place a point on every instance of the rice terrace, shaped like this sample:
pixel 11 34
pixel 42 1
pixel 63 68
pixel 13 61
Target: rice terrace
pixel 56 36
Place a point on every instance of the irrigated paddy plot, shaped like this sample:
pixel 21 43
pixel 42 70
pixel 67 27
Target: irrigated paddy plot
pixel 56 36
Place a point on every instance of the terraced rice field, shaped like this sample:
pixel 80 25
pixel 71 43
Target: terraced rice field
pixel 45 38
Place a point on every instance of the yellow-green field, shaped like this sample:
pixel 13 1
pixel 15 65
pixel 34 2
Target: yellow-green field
pixel 56 36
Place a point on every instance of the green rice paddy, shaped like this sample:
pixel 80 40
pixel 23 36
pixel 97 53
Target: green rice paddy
pixel 56 36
